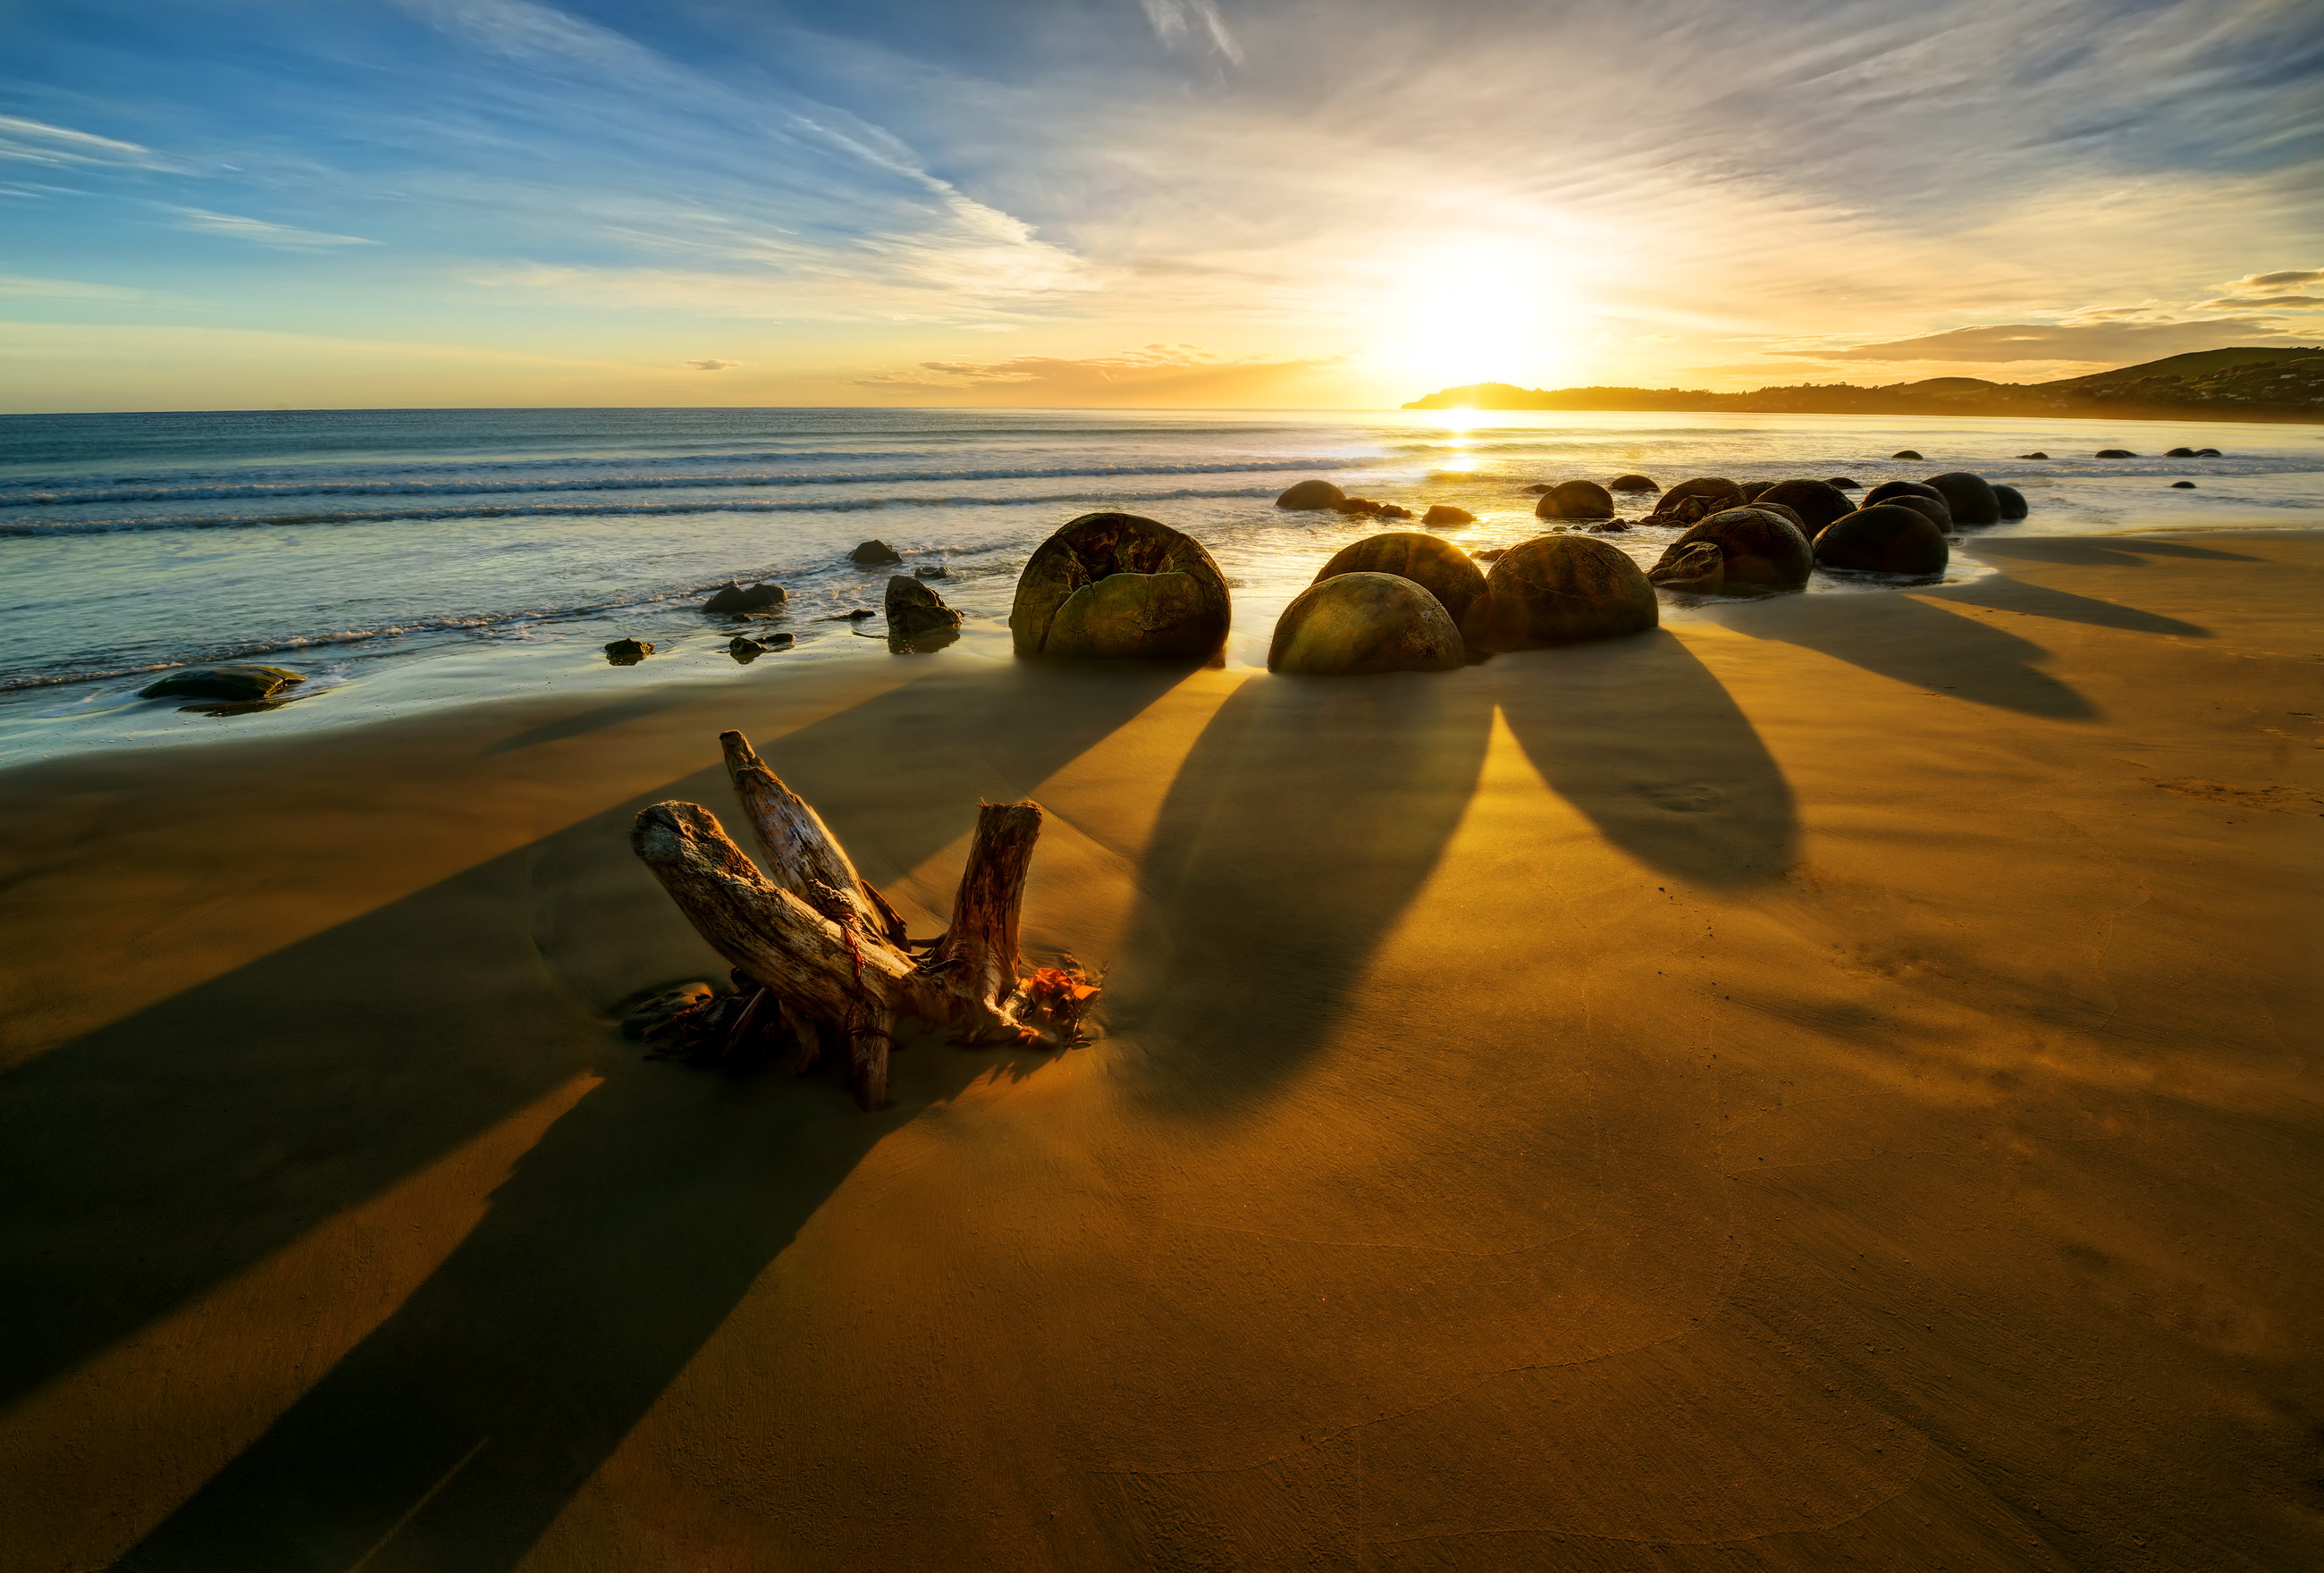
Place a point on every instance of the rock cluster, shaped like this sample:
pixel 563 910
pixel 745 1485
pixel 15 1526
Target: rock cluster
pixel 732 599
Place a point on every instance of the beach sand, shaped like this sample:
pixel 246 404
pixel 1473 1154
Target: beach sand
pixel 1834 1086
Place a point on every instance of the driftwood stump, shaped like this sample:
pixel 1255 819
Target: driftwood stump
pixel 828 952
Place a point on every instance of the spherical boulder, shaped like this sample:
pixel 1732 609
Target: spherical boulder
pixel 1845 484
pixel 1786 511
pixel 1930 508
pixel 1575 500
pixel 1631 483
pixel 1887 489
pixel 1764 550
pixel 2209 454
pixel 1444 516
pixel 1817 503
pixel 1114 586
pixel 1752 490
pixel 1700 569
pixel 2116 454
pixel 1697 498
pixel 1967 498
pixel 1883 539
pixel 1906 454
pixel 1560 589
pixel 1438 566
pixel 233 684
pixel 2010 500
pixel 2178 452
pixel 1351 625
pixel 1310 494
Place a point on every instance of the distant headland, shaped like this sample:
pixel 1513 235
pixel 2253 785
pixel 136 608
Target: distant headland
pixel 2231 384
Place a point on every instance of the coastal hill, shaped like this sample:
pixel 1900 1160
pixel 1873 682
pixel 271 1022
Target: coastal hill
pixel 2229 384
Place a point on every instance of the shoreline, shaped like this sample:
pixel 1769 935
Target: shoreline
pixel 1832 1079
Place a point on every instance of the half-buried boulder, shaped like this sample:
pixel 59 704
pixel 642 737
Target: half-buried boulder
pixel 1444 516
pixel 1113 586
pixel 231 684
pixel 1968 497
pixel 1700 569
pixel 1845 484
pixel 1631 483
pixel 1350 625
pixel 2116 454
pixel 2178 452
pixel 2010 500
pixel 1883 539
pixel 1560 589
pixel 1694 500
pixel 1817 503
pixel 1575 500
pixel 1887 489
pixel 1438 566
pixel 1906 454
pixel 1762 550
pixel 1310 494
pixel 916 614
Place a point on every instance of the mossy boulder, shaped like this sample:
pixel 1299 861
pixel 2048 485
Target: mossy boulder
pixel 1631 483
pixel 1887 489
pixel 236 684
pixel 1816 503
pixel 1884 539
pixel 2010 500
pixel 1575 500
pixel 1114 586
pixel 1560 589
pixel 1762 549
pixel 1441 568
pixel 1311 494
pixel 1351 625
pixel 1701 569
pixel 1968 497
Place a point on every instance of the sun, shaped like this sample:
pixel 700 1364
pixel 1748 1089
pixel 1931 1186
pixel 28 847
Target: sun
pixel 1480 311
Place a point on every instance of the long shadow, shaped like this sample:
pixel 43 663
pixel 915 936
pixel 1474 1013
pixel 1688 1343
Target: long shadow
pixel 597 718
pixel 1905 638
pixel 144 1163
pixel 1314 810
pixel 2008 594
pixel 1640 737
pixel 2116 551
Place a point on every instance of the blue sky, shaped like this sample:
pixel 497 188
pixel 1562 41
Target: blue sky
pixel 211 204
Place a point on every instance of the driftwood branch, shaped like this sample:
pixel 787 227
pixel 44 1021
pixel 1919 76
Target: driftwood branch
pixel 828 948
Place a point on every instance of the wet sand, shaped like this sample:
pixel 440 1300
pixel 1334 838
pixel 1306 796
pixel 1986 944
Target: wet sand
pixel 1831 1087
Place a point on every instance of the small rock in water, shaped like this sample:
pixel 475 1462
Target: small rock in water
pixel 2179 453
pixel 2116 454
pixel 2209 454
pixel 1906 454
pixel 1575 500
pixel 1444 516
pixel 1845 484
pixel 933 571
pixel 858 615
pixel 628 652
pixel 731 598
pixel 1631 483
pixel 874 553
pixel 1393 510
pixel 2032 456
pixel 917 618
pixel 2182 485
pixel 745 651
pixel 232 685
pixel 1356 505
pixel 1308 495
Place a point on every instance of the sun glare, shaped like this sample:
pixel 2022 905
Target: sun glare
pixel 1486 311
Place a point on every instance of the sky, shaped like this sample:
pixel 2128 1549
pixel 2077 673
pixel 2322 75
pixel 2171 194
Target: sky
pixel 255 204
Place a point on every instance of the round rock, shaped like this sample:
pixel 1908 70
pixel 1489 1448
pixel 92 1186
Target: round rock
pixel 1968 497
pixel 2116 454
pixel 1845 484
pixel 2010 500
pixel 1906 454
pixel 1575 500
pixel 1631 483
pixel 1114 586
pixel 1444 516
pixel 1816 502
pixel 1351 625
pixel 1753 490
pixel 1310 494
pixel 1438 566
pixel 1761 548
pixel 1884 539
pixel 1561 589
pixel 2179 453
pixel 1932 508
pixel 1887 489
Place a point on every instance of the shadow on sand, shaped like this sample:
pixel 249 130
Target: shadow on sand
pixel 146 1163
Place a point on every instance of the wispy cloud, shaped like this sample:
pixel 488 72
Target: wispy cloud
pixel 1175 21
pixel 259 231
pixel 19 286
pixel 713 365
pixel 35 142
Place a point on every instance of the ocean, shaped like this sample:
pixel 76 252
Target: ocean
pixel 411 559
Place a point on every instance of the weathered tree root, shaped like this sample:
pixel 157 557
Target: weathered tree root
pixel 828 952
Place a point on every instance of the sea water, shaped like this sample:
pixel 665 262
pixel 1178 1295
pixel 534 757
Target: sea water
pixel 409 558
